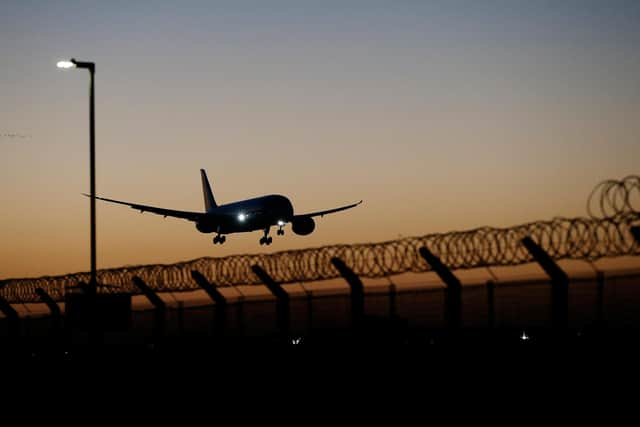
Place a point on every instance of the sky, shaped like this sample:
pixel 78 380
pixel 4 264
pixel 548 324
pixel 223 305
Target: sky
pixel 440 115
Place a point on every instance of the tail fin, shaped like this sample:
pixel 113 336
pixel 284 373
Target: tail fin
pixel 209 201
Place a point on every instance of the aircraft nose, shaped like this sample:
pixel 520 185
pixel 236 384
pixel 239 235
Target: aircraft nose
pixel 290 209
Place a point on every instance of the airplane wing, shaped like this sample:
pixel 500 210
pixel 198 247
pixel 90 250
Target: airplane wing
pixel 191 216
pixel 328 211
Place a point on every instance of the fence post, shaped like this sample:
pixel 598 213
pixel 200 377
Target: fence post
pixel 453 292
pixel 559 283
pixel 392 301
pixel 12 316
pixel 491 319
pixel 357 290
pixel 600 299
pixel 53 308
pixel 282 299
pixel 220 309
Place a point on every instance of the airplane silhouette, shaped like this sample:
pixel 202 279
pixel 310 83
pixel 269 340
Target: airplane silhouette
pixel 260 213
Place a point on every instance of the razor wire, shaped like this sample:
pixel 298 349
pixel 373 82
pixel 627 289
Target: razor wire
pixel 562 238
pixel 611 198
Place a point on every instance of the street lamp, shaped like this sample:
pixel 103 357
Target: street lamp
pixel 72 63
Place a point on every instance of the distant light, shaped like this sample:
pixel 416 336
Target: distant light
pixel 281 223
pixel 296 341
pixel 524 336
pixel 242 217
pixel 65 64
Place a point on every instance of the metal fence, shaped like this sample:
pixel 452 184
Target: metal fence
pixel 609 232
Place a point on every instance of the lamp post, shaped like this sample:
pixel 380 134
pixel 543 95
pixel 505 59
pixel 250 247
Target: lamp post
pixel 72 63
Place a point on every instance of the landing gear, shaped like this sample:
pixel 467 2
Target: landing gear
pixel 280 232
pixel 266 240
pixel 219 239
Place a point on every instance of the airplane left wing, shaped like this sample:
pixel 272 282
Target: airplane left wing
pixel 191 216
pixel 328 211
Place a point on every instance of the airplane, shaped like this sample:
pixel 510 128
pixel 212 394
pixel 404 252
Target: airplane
pixel 260 213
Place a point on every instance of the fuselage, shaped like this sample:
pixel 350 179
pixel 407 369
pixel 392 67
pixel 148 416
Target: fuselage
pixel 247 215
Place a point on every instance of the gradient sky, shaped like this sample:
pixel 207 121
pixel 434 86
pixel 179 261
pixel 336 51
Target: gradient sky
pixel 440 115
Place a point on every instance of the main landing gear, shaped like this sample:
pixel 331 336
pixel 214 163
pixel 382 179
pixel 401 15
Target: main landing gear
pixel 266 240
pixel 219 239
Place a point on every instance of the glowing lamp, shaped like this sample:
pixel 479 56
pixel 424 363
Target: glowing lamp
pixel 65 64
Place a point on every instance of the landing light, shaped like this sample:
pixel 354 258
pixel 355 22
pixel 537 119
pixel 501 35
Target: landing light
pixel 281 223
pixel 242 217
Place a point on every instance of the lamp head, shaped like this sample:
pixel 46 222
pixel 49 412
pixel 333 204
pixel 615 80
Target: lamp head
pixel 66 64
pixel 72 63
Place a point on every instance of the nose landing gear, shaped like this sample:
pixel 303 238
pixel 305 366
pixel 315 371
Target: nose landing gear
pixel 219 239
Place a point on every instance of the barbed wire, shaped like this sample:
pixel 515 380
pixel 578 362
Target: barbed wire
pixel 611 198
pixel 562 238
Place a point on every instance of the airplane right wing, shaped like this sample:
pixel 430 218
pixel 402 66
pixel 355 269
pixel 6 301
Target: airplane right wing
pixel 191 216
pixel 328 211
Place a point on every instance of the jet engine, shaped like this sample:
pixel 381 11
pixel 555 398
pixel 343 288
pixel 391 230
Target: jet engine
pixel 303 225
pixel 203 227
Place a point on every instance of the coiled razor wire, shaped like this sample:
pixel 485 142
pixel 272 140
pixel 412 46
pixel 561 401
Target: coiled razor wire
pixel 562 238
pixel 611 198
